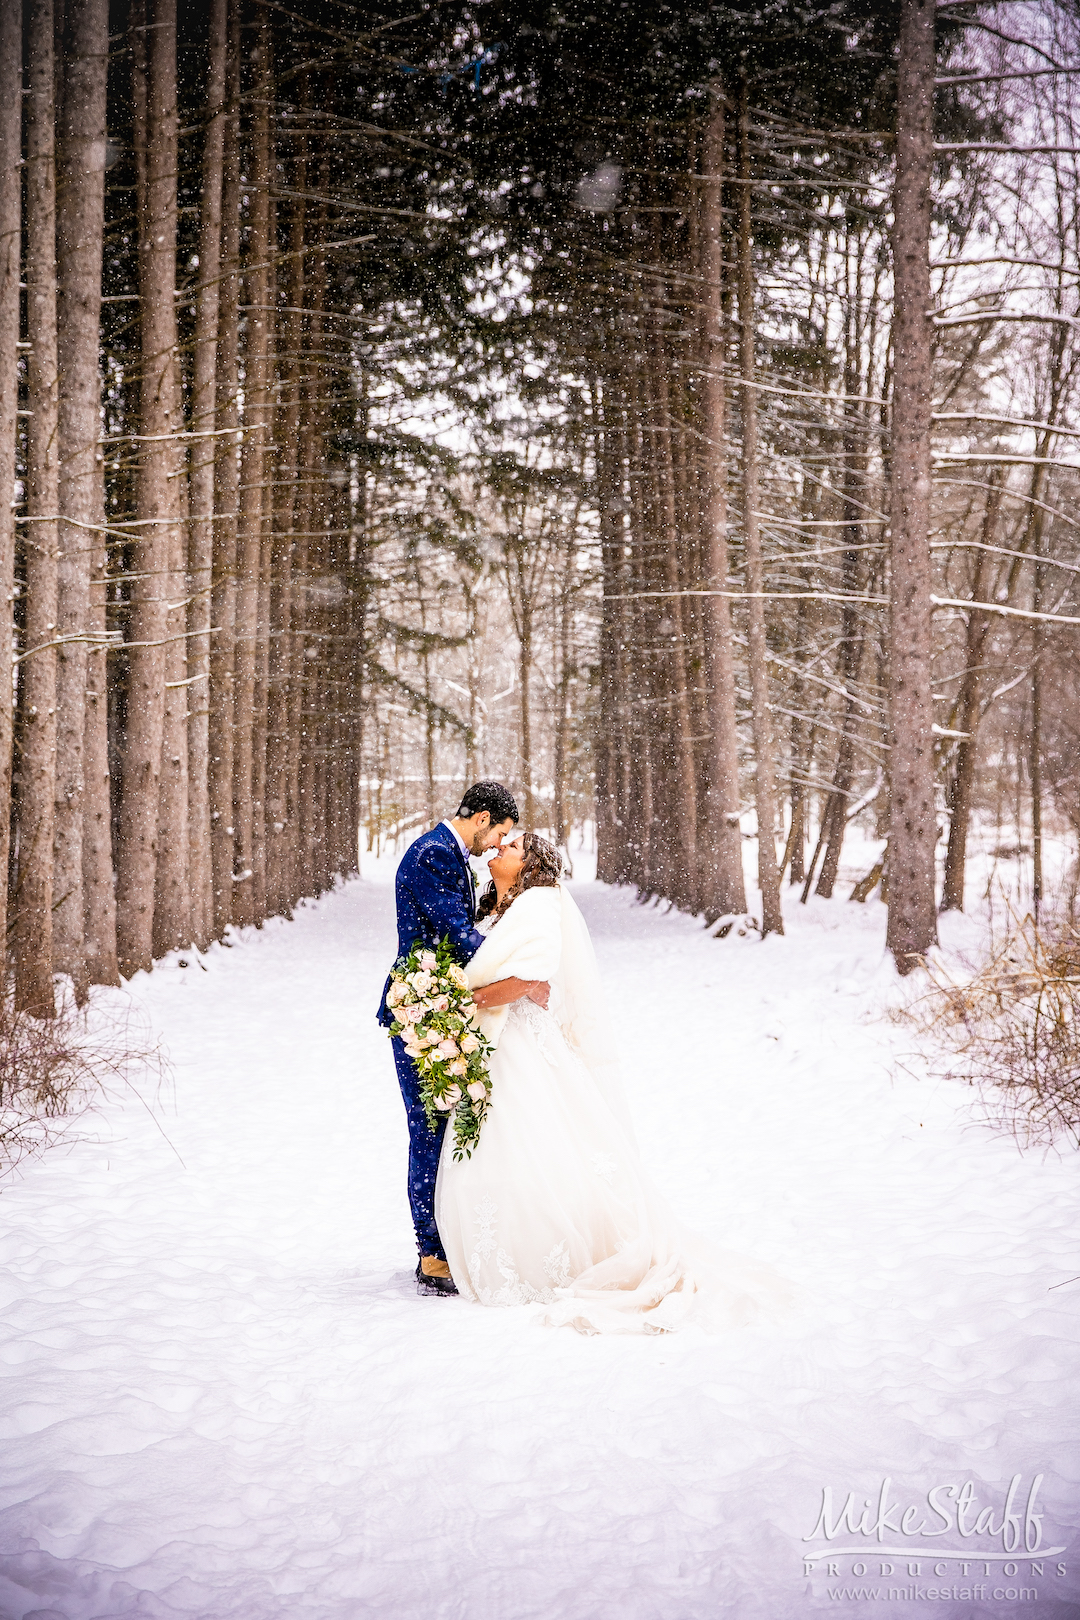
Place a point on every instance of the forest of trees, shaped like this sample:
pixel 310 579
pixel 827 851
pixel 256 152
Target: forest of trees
pixel 669 409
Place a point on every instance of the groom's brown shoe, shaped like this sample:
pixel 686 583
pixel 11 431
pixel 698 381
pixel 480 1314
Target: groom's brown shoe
pixel 433 1276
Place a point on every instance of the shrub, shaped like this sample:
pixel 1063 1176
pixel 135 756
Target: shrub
pixel 54 1070
pixel 1012 1030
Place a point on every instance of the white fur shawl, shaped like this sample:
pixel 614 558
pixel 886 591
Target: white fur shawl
pixel 525 943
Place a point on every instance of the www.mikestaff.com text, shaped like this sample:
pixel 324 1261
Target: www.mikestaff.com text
pixel 910 1594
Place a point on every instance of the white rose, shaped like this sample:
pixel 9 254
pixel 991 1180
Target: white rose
pixel 421 982
pixel 456 976
pixel 478 1091
pixel 396 993
pixel 469 1043
pixel 459 1066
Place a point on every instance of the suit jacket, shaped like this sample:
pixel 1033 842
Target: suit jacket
pixel 435 900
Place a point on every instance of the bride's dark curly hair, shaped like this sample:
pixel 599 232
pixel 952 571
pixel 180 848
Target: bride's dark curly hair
pixel 541 869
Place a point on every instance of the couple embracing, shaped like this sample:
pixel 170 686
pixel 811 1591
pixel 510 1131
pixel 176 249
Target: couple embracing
pixel 553 1208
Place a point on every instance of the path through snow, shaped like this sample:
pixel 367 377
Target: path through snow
pixel 220 1397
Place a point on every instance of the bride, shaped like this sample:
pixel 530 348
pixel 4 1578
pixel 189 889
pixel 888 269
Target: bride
pixel 554 1206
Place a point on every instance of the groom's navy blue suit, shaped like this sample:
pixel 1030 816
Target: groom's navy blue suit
pixel 435 900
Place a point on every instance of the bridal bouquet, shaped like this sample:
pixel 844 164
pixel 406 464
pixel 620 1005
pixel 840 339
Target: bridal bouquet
pixel 435 1016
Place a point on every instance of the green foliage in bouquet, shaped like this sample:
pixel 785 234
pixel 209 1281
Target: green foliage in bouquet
pixel 435 1015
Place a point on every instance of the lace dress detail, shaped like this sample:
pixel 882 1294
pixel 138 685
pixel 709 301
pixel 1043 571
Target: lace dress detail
pixel 542 1028
pixel 604 1166
pixel 513 1290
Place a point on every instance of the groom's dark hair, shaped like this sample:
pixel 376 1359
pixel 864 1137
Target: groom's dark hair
pixel 497 800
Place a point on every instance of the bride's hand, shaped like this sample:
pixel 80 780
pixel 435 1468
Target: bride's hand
pixel 505 991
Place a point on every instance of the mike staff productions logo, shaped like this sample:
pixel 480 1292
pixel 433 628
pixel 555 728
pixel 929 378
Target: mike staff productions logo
pixel 970 1547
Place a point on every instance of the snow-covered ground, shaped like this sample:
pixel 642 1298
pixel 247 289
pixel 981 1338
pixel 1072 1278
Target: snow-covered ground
pixel 221 1398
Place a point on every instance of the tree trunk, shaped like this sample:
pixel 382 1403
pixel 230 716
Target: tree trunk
pixel 851 637
pixel 37 766
pixel 561 823
pixel 772 916
pixel 305 727
pixel 10 265
pixel 610 854
pixel 98 890
pixel 683 798
pixel 79 228
pixel 201 528
pixel 723 887
pixel 525 711
pixel 271 474
pixel 967 708
pixel 226 500
pixel 912 926
pixel 302 669
pixel 280 809
pixel 252 481
pixel 172 909
pixel 153 547
pixel 1035 751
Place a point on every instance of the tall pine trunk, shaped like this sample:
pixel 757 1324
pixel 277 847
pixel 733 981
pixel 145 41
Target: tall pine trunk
pixel 98 887
pixel 280 808
pixel 254 463
pixel 607 445
pixel 912 926
pixel 226 502
pixel 37 764
pixel 682 790
pixel 79 231
pixel 723 887
pixel 271 473
pixel 968 708
pixel 201 528
pixel 172 901
pixel 772 917
pixel 302 674
pixel 10 267
pixel 155 537
pixel 851 634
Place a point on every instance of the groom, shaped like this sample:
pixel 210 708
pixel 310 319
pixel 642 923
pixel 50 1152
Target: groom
pixel 436 900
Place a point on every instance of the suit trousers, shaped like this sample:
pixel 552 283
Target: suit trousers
pixel 425 1145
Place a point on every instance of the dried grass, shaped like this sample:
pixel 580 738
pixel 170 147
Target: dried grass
pixel 55 1071
pixel 1012 1030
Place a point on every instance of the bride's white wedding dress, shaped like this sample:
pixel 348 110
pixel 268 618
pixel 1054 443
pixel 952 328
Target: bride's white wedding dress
pixel 554 1206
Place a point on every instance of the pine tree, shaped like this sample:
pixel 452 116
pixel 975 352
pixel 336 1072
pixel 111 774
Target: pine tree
pixel 912 925
pixel 37 686
pixel 79 231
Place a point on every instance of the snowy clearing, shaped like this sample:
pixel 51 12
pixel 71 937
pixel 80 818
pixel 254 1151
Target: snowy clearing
pixel 221 1398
